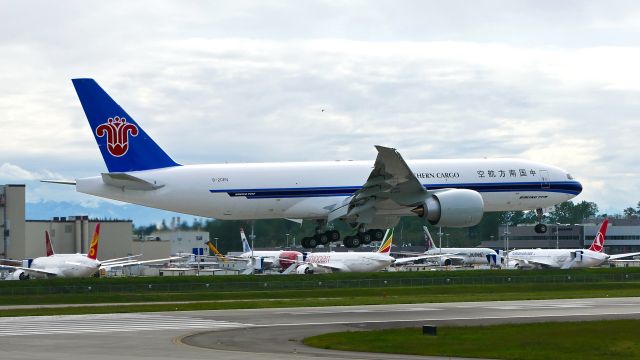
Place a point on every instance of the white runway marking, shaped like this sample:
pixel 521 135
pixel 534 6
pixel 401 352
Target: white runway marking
pixel 355 311
pixel 78 324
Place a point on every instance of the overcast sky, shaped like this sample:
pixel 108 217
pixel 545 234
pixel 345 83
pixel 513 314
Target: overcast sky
pixel 236 81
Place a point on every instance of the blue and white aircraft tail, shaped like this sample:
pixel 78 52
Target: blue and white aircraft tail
pixel 124 145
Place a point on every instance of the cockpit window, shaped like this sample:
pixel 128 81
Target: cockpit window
pixel 569 176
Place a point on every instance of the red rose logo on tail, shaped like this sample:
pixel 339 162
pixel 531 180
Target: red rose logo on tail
pixel 117 131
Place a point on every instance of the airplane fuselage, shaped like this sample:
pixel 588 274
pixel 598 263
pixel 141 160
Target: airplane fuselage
pixel 467 256
pixel 350 261
pixel 309 190
pixel 556 258
pixel 65 265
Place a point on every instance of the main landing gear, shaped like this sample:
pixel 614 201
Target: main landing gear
pixel 350 241
pixel 320 238
pixel 540 228
pixel 363 237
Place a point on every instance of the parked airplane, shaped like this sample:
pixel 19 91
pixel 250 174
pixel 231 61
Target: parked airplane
pixel 369 196
pixel 269 258
pixel 459 256
pixel 70 265
pixel 342 261
pixel 566 258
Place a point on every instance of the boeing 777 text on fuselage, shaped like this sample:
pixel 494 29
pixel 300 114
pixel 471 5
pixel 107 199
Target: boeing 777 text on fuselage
pixel 368 195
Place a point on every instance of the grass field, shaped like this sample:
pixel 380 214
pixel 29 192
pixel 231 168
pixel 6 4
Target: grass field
pixel 597 340
pixel 235 292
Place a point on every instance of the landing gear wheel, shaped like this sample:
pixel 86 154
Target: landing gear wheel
pixel 309 242
pixel 364 238
pixel 321 238
pixel 312 242
pixel 541 228
pixel 376 234
pixel 348 241
pixel 333 235
pixel 356 241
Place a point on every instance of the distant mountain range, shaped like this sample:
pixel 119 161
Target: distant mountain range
pixel 140 215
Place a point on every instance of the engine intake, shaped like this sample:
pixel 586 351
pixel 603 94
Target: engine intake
pixel 452 208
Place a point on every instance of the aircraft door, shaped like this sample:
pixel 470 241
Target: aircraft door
pixel 544 178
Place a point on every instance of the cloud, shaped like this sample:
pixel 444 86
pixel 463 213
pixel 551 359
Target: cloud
pixel 249 82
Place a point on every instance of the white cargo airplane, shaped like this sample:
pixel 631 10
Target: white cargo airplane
pixel 341 261
pixel 71 265
pixel 459 256
pixel 368 195
pixel 566 258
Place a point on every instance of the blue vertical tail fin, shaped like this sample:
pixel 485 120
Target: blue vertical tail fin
pixel 122 142
pixel 245 243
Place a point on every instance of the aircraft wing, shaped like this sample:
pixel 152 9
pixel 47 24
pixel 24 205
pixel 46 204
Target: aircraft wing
pixel 401 261
pixel 539 262
pixel 30 270
pixel 620 256
pixel 332 266
pixel 391 185
pixel 131 263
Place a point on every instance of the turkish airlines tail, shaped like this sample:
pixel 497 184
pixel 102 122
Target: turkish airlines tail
pixel 47 243
pixel 385 247
pixel 123 144
pixel 93 249
pixel 598 242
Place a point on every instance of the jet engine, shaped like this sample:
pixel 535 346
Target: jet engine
pixel 304 269
pixel 452 208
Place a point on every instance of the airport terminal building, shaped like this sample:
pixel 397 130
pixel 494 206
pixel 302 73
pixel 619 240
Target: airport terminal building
pixel 24 239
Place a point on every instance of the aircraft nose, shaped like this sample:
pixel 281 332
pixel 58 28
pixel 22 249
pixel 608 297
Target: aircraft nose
pixel 577 187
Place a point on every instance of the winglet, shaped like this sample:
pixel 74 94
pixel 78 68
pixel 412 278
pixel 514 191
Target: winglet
pixel 385 247
pixel 47 243
pixel 598 242
pixel 93 250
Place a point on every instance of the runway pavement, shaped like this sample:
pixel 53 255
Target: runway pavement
pixel 266 333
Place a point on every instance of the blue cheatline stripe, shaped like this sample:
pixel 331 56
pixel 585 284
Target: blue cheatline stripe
pixel 565 187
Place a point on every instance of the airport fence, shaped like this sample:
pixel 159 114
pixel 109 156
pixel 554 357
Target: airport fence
pixel 309 283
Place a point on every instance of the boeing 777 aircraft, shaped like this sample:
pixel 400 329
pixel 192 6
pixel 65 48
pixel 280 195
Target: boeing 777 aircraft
pixel 368 195
pixel 566 258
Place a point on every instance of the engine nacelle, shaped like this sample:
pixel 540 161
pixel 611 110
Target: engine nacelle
pixel 452 208
pixel 304 269
pixel 287 258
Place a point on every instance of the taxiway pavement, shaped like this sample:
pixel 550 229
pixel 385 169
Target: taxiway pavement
pixel 266 333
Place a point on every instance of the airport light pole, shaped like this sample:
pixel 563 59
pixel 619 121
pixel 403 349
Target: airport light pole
pixel 287 240
pixel 447 234
pixel 216 240
pixel 557 235
pixel 506 240
pixel 440 239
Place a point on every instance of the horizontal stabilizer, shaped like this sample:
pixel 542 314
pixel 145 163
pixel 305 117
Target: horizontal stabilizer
pixel 61 182
pixel 129 182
